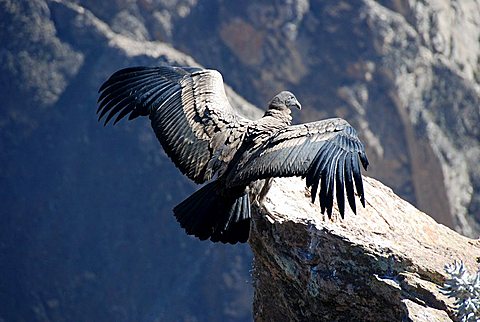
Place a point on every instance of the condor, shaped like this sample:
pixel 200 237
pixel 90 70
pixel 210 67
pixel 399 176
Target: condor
pixel 209 142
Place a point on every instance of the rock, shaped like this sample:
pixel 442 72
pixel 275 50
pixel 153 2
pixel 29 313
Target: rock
pixel 384 264
pixel 126 24
pixel 427 58
pixel 29 40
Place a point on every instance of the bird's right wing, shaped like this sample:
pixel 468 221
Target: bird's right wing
pixel 189 112
pixel 327 152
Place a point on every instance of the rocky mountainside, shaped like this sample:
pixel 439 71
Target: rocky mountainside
pixel 405 73
pixel 87 230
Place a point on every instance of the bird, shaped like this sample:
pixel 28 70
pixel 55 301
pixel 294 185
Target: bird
pixel 235 158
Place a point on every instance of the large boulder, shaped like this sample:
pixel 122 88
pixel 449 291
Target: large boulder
pixel 387 263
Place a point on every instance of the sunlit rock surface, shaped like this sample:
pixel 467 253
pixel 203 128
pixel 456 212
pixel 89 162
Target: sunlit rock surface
pixel 384 264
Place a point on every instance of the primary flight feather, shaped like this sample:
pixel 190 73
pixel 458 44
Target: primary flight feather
pixel 208 141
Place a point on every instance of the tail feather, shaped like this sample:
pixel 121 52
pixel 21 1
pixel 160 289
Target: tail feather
pixel 239 229
pixel 208 213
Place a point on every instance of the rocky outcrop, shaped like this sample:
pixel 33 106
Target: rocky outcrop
pixel 384 264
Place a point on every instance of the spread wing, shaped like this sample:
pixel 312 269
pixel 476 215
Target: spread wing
pixel 327 153
pixel 188 109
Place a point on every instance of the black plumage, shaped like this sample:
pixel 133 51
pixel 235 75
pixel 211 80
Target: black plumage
pixel 208 141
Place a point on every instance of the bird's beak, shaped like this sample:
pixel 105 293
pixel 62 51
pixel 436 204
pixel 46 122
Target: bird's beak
pixel 297 105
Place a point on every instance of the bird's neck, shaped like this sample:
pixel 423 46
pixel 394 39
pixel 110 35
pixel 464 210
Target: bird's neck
pixel 281 115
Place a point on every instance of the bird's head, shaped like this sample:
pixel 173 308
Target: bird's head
pixel 284 100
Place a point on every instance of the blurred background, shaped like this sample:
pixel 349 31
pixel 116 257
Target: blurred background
pixel 87 232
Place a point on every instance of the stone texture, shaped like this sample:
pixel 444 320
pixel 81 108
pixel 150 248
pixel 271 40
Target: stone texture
pixel 384 264
pixel 432 70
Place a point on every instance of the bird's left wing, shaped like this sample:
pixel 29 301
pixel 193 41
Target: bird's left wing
pixel 327 153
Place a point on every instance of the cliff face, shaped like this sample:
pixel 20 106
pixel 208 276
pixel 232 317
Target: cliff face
pixel 87 228
pixel 384 264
